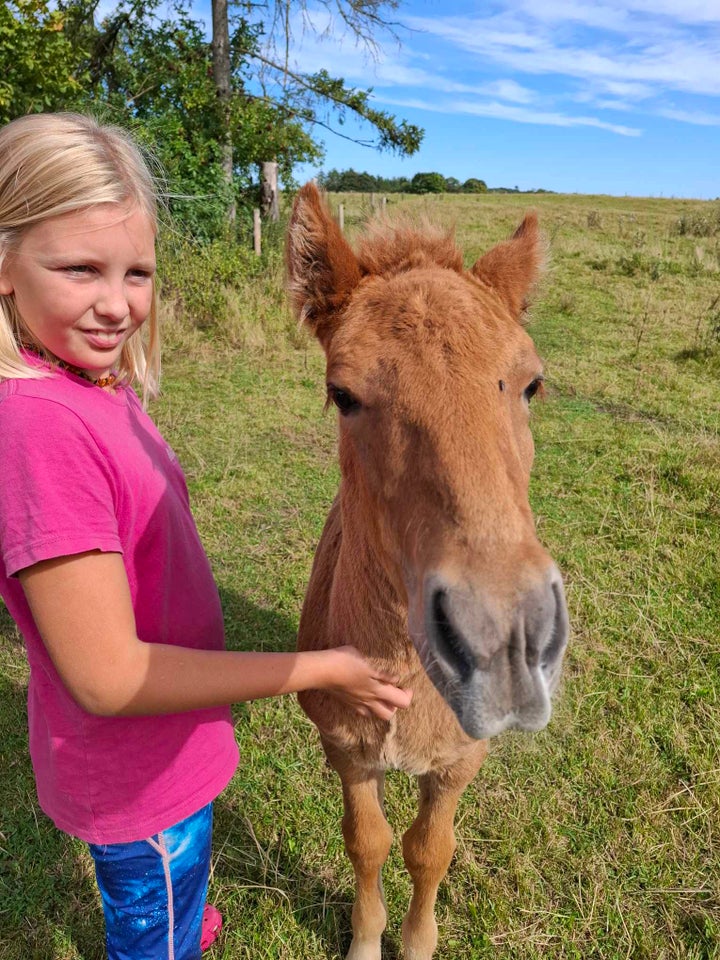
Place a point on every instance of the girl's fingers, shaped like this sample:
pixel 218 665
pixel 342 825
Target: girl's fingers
pixel 383 710
pixel 391 678
pixel 396 696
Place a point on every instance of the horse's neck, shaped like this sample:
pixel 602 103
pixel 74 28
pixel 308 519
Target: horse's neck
pixel 365 600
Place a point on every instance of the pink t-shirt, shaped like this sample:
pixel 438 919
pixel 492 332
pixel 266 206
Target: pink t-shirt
pixel 83 469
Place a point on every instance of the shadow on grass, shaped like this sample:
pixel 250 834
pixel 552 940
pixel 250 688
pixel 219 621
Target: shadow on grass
pixel 47 895
pixel 695 353
pixel 251 627
pixel 275 878
pixel 49 906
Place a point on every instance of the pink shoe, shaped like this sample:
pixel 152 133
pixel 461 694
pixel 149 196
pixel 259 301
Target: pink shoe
pixel 211 926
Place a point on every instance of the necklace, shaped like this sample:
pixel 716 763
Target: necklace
pixel 54 361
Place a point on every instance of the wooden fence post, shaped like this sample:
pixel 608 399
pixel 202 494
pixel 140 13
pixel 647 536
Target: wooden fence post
pixel 257 232
pixel 341 217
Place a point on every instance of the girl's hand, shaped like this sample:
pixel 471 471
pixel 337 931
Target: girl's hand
pixel 110 671
pixel 369 691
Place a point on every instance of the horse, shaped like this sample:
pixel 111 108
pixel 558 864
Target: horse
pixel 429 562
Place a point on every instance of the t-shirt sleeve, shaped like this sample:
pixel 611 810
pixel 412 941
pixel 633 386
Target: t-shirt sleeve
pixel 57 495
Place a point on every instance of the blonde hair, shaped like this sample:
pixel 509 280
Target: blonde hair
pixel 59 163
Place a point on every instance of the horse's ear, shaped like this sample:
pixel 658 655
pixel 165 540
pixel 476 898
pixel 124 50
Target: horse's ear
pixel 513 267
pixel 322 270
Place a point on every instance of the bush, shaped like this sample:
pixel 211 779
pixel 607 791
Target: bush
pixel 702 223
pixel 428 183
pixel 222 289
pixel 473 185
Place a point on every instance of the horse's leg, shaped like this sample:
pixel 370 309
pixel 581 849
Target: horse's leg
pixel 367 843
pixel 428 847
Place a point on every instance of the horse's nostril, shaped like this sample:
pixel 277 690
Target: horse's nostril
pixel 558 637
pixel 450 644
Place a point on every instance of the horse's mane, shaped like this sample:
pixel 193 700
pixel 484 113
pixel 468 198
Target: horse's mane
pixel 402 245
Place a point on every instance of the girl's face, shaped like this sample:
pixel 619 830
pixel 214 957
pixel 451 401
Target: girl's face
pixel 83 283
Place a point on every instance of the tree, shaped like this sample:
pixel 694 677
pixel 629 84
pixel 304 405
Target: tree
pixel 349 180
pixel 155 74
pixel 222 75
pixel 473 185
pixel 149 65
pixel 40 67
pixel 428 183
pixel 313 94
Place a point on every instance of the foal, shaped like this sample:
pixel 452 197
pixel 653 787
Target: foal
pixel 429 563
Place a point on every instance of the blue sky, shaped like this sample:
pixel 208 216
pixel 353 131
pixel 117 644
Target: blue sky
pixel 596 96
pixel 616 97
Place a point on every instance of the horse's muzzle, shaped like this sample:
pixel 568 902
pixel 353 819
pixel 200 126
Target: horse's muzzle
pixel 496 661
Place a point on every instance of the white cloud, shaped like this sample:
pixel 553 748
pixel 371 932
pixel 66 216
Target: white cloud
pixel 504 111
pixel 684 11
pixel 601 16
pixel 616 15
pixel 600 103
pixel 666 59
pixel 633 91
pixel 612 56
pixel 692 116
pixel 508 90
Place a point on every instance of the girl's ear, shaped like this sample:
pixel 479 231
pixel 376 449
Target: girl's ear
pixel 513 267
pixel 322 270
pixel 6 287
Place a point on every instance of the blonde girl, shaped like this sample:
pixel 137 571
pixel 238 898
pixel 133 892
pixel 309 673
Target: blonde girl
pixel 102 566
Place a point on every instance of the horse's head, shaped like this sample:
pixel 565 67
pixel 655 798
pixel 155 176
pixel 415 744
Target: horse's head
pixel 432 373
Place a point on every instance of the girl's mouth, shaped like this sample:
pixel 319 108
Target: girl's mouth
pixel 104 339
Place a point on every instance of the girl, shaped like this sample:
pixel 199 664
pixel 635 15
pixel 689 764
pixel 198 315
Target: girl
pixel 102 567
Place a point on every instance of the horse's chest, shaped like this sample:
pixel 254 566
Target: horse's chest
pixel 397 752
pixel 426 737
pixel 414 741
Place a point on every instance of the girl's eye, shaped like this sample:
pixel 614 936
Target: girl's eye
pixel 79 268
pixel 344 401
pixel 533 388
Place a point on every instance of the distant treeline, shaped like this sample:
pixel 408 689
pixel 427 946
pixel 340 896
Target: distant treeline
pixel 352 181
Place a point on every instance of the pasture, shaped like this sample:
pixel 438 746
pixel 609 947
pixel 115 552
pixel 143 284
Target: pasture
pixel 600 836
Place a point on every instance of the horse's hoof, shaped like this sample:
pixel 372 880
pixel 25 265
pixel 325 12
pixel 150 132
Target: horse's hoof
pixel 364 950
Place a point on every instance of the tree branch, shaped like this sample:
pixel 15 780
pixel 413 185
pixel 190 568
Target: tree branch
pixel 309 117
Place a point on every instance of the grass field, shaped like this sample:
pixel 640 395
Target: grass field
pixel 600 836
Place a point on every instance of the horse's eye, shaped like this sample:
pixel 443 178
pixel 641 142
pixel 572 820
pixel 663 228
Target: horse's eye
pixel 533 388
pixel 344 401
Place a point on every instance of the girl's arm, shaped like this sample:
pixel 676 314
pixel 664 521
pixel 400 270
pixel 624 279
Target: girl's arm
pixel 82 607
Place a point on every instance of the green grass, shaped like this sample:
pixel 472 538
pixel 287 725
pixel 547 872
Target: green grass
pixel 599 837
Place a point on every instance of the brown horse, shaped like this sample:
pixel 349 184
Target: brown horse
pixel 429 562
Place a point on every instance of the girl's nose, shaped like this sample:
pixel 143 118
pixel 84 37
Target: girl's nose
pixel 113 303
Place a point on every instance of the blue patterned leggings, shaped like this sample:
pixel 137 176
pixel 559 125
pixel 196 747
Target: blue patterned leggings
pixel 153 891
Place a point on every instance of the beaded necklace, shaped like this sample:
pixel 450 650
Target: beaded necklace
pixel 54 361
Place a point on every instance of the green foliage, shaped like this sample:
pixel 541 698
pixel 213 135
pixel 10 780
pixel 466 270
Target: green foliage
pixel 41 68
pixel 154 74
pixel 148 65
pixel 473 185
pixel 350 181
pixel 399 136
pixel 221 291
pixel 427 183
pixel 159 82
